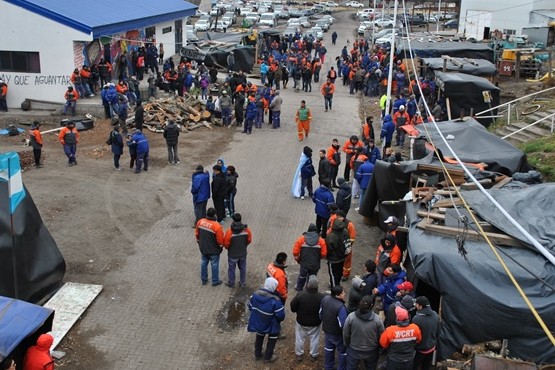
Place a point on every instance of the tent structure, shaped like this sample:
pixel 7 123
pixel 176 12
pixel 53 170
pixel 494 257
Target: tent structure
pixel 31 265
pixel 468 93
pixel 460 49
pixel 477 300
pixel 475 67
pixel 21 323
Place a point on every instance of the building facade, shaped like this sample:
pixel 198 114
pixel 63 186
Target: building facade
pixel 44 41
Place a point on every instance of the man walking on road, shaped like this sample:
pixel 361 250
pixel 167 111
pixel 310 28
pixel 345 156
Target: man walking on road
pixel 327 90
pixel 322 199
pixel 200 189
pixel 236 240
pixel 275 109
pixel 333 314
pixel 303 117
pixel 334 158
pixel 69 137
pixel 210 239
pixel 35 141
pixel 308 324
pixel 323 167
pixel 308 250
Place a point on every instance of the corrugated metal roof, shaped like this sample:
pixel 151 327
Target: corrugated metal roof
pixel 106 17
pixel 549 13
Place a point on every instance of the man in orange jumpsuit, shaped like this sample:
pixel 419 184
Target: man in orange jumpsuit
pixel 303 117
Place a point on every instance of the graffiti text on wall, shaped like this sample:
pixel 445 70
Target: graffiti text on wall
pixel 35 80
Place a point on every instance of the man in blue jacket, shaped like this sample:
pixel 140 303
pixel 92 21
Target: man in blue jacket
pixel 267 313
pixel 322 198
pixel 363 176
pixel 388 128
pixel 200 189
pixel 142 150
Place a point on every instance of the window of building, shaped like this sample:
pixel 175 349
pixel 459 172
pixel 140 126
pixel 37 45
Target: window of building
pixel 166 30
pixel 509 32
pixel 150 33
pixel 19 61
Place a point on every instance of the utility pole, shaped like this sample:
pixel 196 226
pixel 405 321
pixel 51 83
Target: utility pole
pixel 438 16
pixel 392 52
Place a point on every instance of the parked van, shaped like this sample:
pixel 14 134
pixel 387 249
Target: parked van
pixel 268 19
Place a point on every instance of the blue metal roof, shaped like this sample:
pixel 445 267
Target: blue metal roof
pixel 107 17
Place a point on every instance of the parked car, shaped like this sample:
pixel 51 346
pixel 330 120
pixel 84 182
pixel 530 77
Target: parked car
pixel 414 20
pixel 220 26
pixel 323 24
pixel 294 22
pixel 309 13
pixel 387 38
pixel 354 4
pixel 447 16
pixel 268 19
pixel 453 23
pixel 202 25
pixel 245 10
pixel 231 15
pixel 291 30
pixel 330 4
pixel 305 23
pixel 384 22
pixel 316 32
pixel 366 11
pixel 295 12
pixel 329 18
pixel 364 26
pixel 384 32
pixel 432 19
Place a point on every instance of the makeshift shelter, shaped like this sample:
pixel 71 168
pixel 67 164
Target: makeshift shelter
pixel 21 324
pixel 214 53
pixel 477 300
pixel 31 265
pixel 461 49
pixel 468 93
pixel 475 67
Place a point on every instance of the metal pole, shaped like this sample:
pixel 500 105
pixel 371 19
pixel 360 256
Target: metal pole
pixel 438 16
pixel 390 73
pixel 552 119
pixel 509 115
pixel 373 23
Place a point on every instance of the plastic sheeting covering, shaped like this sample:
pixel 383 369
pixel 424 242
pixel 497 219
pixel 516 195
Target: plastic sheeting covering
pixel 474 144
pixel 476 67
pixel 533 208
pixel 478 301
pixel 452 48
pixel 213 55
pixel 467 92
pixel 18 320
pixel 31 265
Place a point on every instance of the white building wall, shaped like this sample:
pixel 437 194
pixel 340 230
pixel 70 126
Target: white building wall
pixel 506 14
pixel 22 30
pixel 168 39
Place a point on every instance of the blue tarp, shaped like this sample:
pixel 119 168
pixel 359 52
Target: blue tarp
pixel 18 320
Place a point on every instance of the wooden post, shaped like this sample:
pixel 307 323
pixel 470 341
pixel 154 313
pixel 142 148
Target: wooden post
pixel 517 65
pixel 448 109
pixel 550 62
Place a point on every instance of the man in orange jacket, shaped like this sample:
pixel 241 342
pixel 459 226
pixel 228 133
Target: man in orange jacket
pixel 350 148
pixel 350 227
pixel 35 140
pixel 276 270
pixel 400 341
pixel 210 239
pixel 401 118
pixel 327 90
pixel 334 158
pixel 308 250
pixel 71 97
pixel 3 96
pixel 69 137
pixel 236 240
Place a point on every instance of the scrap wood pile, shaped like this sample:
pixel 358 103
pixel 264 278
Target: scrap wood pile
pixel 187 112
pixel 438 213
pixel 485 355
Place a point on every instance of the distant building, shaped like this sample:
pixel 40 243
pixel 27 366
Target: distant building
pixel 479 18
pixel 44 40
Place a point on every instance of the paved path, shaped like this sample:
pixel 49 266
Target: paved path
pixel 159 316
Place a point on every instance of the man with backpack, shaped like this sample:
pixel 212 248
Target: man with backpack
pixel 339 245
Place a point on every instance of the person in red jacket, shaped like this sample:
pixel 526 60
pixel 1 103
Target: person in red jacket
pixel 38 356
pixel 327 90
pixel 276 270
pixel 69 137
pixel 210 239
pixel 308 250
pixel 388 253
pixel 71 97
pixel 334 158
pixel 35 140
pixel 401 118
pixel 236 240
pixel 350 148
pixel 400 341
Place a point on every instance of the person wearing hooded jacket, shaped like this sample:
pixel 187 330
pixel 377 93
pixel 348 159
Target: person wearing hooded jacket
pixel 307 173
pixel 142 150
pixel 116 142
pixel 236 240
pixel 361 334
pixel 35 141
pixel 350 148
pixel 393 276
pixel 400 341
pixel 308 324
pixel 171 134
pixel 308 250
pixel 338 246
pixel 387 253
pixel 363 176
pixel 322 199
pixel 38 356
pixel 231 186
pixel 267 313
pixel 429 323
pixel 343 196
pixel 388 128
pixel 200 188
pixel 276 270
pixel 355 294
pixel 333 314
pixel 219 190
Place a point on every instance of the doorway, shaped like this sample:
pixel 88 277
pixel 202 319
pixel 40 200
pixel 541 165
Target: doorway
pixel 486 34
pixel 178 35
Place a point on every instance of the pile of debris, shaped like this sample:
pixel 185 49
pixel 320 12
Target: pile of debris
pixel 187 112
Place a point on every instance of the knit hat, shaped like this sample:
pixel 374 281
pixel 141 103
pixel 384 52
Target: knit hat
pixel 270 284
pixel 423 301
pixel 407 302
pixel 340 181
pixel 401 314
pixel 312 227
pixel 312 282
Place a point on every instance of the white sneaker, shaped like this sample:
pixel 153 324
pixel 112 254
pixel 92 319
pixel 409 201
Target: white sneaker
pixel 357 208
pixel 91 96
pixel 119 168
pixel 302 197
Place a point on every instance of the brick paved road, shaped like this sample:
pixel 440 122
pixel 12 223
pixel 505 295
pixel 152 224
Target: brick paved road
pixel 159 316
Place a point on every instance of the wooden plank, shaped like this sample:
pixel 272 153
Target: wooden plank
pixel 486 183
pixel 502 182
pixel 448 203
pixel 429 167
pixel 495 238
pixel 486 226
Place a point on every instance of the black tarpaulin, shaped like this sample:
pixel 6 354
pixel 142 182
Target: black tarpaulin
pixel 452 48
pixel 478 300
pixel 469 93
pixel 216 55
pixel 31 265
pixel 476 67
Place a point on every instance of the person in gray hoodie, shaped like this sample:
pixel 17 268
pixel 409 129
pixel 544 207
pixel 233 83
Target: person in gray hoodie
pixel 361 335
